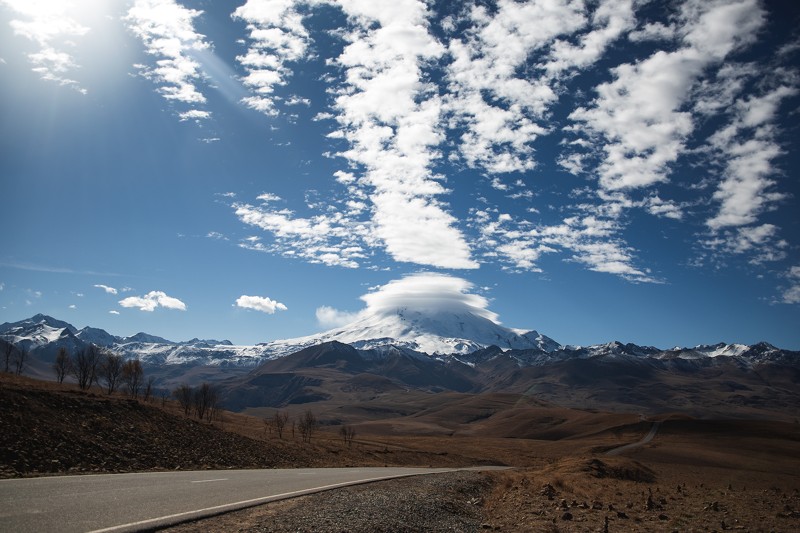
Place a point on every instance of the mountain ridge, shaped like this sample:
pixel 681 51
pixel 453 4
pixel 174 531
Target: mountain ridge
pixel 759 380
pixel 430 335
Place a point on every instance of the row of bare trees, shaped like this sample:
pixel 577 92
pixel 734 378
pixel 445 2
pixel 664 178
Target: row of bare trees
pixel 305 426
pixel 14 358
pixel 97 366
pixel 201 400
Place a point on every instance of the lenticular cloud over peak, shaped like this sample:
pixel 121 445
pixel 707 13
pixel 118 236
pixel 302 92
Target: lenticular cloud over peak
pixel 430 293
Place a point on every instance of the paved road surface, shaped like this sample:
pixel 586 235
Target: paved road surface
pixel 647 438
pixel 130 502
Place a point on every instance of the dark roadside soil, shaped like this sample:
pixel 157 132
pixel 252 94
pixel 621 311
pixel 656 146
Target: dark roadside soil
pixel 72 432
pixel 437 502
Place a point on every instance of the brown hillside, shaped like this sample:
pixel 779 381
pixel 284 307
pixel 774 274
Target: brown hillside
pixel 46 428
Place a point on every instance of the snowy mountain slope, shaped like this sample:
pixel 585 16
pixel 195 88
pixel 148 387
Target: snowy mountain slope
pixel 43 335
pixel 430 332
pixel 37 331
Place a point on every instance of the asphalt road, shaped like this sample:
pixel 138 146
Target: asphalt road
pixel 647 438
pixel 132 502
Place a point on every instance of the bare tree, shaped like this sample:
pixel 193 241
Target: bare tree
pixel 213 405
pixel 7 351
pixel 19 361
pixel 205 401
pixel 148 388
pixel 348 433
pixel 111 370
pixel 86 366
pixel 279 421
pixel 62 364
pixel 307 425
pixel 184 396
pixel 132 374
pixel 164 397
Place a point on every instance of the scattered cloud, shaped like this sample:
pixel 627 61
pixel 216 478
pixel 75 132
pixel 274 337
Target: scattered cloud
pixel 748 146
pixel 73 306
pixel 591 240
pixel 791 294
pixel 331 239
pixel 640 115
pixel 153 299
pixel 390 117
pixel 54 29
pixel 113 312
pixel 276 37
pixel 260 303
pixel 166 29
pixel 109 290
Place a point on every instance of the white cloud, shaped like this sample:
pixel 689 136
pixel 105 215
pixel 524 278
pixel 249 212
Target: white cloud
pixel 591 239
pixel 109 290
pixel 73 306
pixel 196 115
pixel 791 294
pixel 504 112
pixel 332 239
pixel 663 208
pixel 153 299
pixel 260 303
pixel 640 114
pixel 268 197
pixel 391 118
pixel 484 89
pixel 113 312
pixel 483 71
pixel 428 291
pixel 610 20
pixel 276 37
pixel 53 27
pixel 760 241
pixel 745 191
pixel 166 29
pixel 330 318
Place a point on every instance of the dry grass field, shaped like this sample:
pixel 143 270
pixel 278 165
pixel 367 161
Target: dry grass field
pixel 695 475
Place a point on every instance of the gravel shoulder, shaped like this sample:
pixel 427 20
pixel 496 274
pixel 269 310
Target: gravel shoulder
pixel 438 502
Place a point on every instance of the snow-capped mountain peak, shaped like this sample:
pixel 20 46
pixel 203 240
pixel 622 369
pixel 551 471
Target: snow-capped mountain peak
pixel 432 331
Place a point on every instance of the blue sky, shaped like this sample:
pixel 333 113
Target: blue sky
pixel 597 171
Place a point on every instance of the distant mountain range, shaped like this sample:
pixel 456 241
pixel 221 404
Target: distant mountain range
pixel 440 335
pixel 388 359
